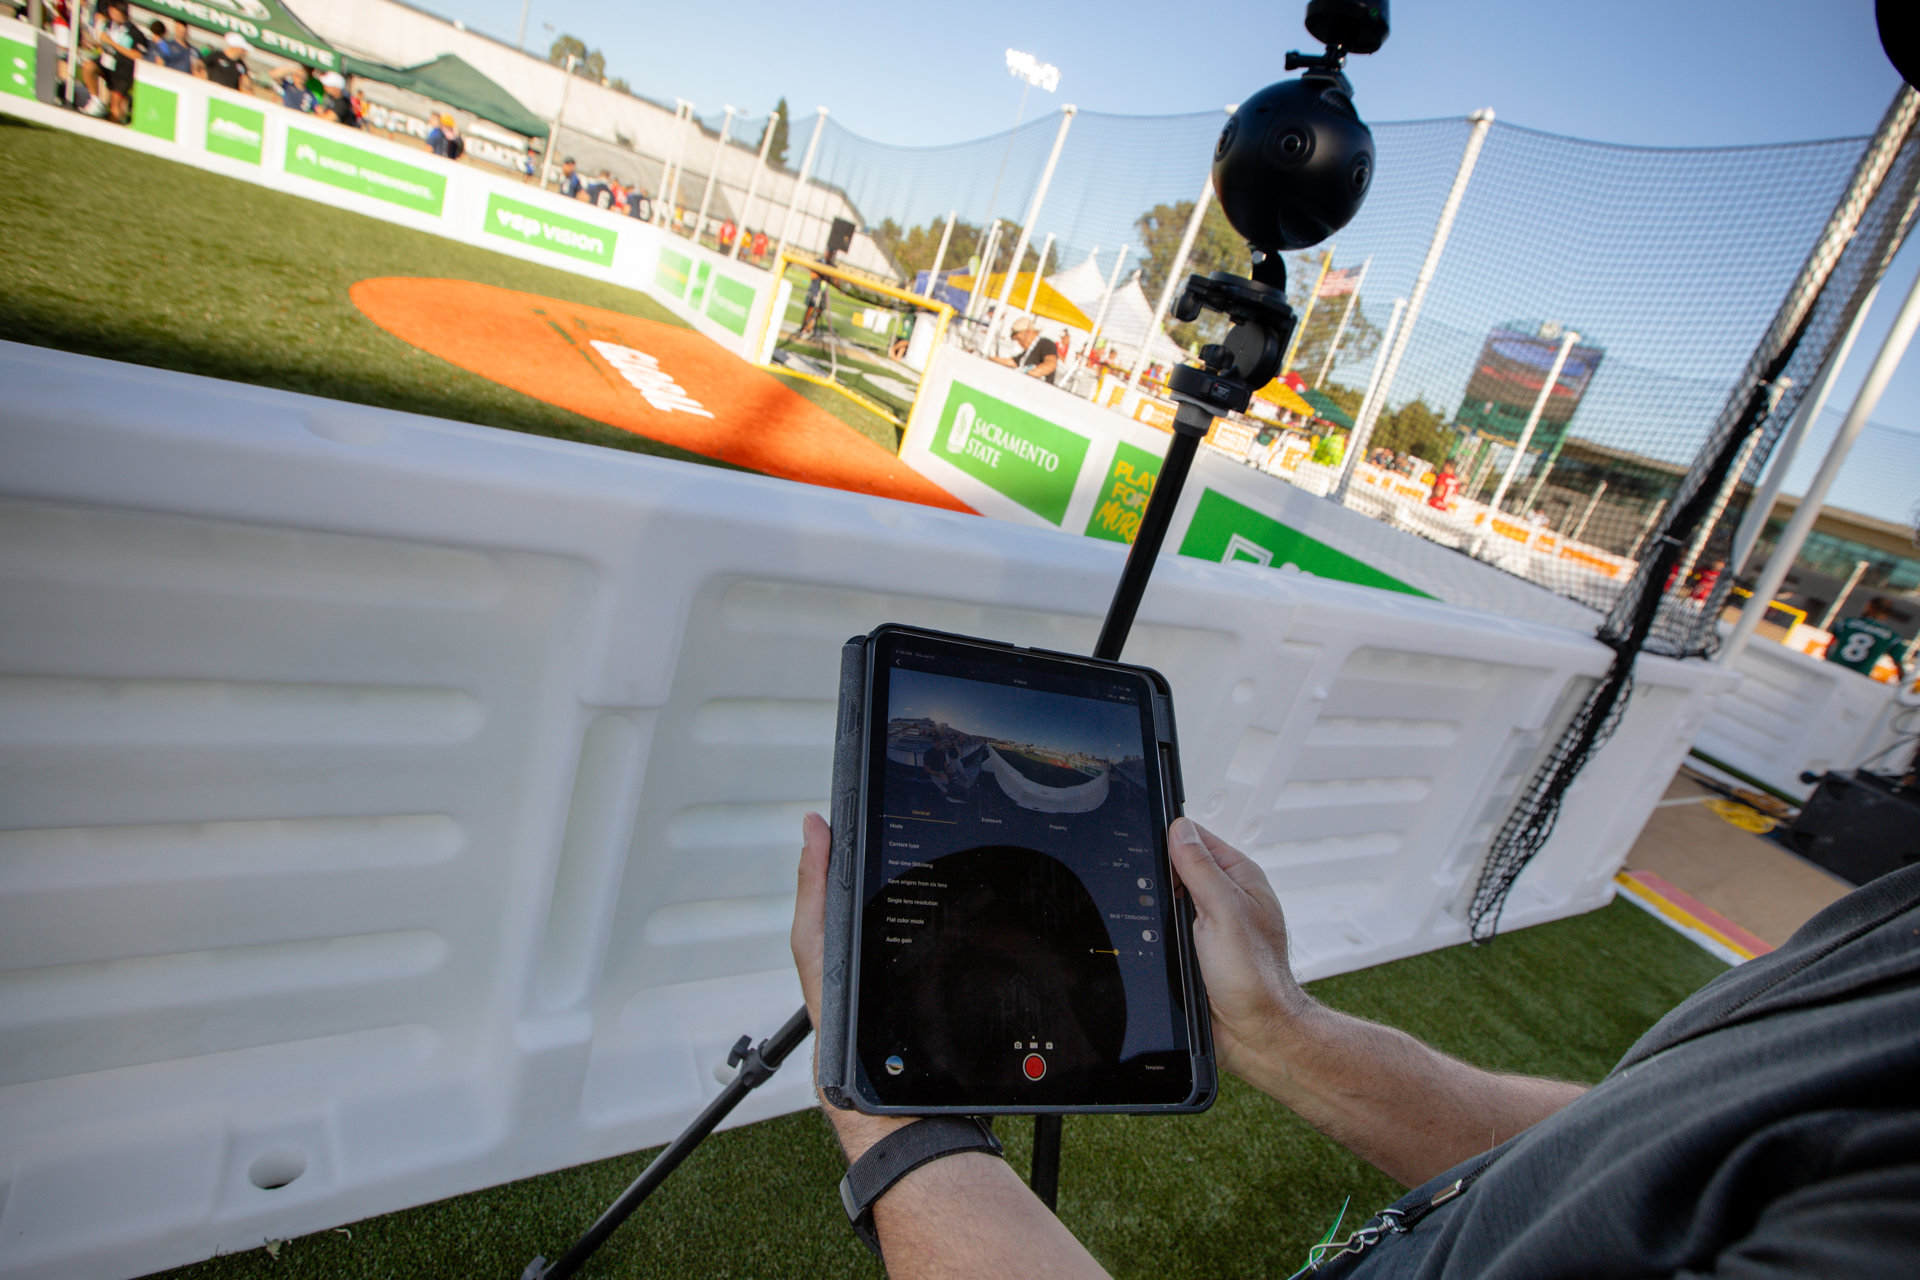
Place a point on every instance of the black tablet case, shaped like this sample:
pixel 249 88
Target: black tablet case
pixel 836 1059
pixel 835 985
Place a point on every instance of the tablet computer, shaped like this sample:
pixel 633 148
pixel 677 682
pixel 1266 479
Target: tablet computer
pixel 1001 931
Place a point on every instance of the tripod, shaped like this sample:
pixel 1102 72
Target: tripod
pixel 1247 360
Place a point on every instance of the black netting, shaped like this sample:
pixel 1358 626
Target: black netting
pixel 1670 604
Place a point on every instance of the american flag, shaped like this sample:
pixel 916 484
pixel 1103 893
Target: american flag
pixel 1339 283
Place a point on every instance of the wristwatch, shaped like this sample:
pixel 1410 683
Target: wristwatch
pixel 899 1154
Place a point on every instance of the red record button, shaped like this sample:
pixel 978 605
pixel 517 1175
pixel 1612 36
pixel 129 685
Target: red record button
pixel 1035 1066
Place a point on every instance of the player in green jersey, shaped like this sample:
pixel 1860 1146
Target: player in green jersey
pixel 1860 642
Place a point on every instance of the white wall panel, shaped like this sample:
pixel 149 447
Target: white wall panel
pixel 409 806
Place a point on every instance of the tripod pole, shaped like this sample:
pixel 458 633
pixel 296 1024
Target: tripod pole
pixel 1154 523
pixel 1189 425
pixel 756 1068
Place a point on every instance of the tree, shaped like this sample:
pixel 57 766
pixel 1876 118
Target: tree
pixel 592 65
pixel 1361 338
pixel 777 153
pixel 1218 247
pixel 912 250
pixel 1415 428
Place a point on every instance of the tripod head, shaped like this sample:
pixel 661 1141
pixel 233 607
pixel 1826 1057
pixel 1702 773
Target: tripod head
pixel 1292 166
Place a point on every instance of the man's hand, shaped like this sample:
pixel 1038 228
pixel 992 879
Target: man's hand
pixel 1405 1108
pixel 1241 936
pixel 960 1217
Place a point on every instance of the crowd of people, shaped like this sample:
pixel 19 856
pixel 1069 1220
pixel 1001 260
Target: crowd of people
pixel 111 45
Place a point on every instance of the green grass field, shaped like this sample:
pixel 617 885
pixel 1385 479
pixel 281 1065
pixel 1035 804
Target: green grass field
pixel 1241 1191
pixel 117 254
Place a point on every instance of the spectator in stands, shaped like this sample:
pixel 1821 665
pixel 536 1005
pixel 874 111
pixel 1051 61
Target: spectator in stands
pixel 600 190
pixel 529 163
pixel 760 245
pixel 728 234
pixel 121 46
pixel 1861 642
pixel 338 104
pixel 445 138
pixel 572 185
pixel 638 206
pixel 227 65
pixel 293 90
pixel 1038 357
pixel 171 53
pixel 1445 485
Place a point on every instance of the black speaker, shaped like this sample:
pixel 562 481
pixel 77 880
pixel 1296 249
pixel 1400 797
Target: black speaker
pixel 840 238
pixel 1860 826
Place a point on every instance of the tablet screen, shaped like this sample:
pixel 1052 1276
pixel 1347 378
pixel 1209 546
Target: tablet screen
pixel 1014 945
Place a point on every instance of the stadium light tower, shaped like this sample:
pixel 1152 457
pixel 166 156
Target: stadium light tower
pixel 1033 72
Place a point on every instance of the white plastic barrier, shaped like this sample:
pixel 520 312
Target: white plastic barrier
pixel 1017 449
pixel 197 122
pixel 1793 713
pixel 394 807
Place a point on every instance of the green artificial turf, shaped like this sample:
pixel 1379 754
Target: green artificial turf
pixel 1241 1191
pixel 127 256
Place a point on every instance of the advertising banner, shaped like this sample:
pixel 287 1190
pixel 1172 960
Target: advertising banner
pixel 729 304
pixel 1024 457
pixel 528 224
pixel 311 156
pixel 1123 494
pixel 16 68
pixel 236 132
pixel 1226 532
pixel 672 273
pixel 154 111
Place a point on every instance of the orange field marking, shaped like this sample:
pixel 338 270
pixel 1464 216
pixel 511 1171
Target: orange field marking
pixel 655 380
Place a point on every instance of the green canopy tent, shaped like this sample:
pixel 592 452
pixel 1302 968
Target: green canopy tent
pixel 267 24
pixel 457 84
pixel 1324 407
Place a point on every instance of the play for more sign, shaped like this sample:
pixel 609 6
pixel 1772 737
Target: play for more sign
pixel 530 225
pixel 1024 457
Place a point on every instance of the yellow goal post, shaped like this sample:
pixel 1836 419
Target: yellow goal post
pixel 942 313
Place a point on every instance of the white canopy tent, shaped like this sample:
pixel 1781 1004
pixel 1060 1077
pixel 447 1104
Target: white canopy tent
pixel 1129 314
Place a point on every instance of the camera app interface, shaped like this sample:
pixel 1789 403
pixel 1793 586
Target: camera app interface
pixel 1015 915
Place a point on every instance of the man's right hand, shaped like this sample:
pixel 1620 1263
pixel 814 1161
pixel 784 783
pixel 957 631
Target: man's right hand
pixel 1407 1109
pixel 1240 933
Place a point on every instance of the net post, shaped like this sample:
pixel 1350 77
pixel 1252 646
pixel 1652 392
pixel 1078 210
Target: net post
pixel 1363 426
pixel 1198 216
pixel 1067 113
pixel 713 174
pixel 800 183
pixel 753 183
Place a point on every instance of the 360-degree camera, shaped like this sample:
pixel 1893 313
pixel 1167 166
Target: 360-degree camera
pixel 1293 165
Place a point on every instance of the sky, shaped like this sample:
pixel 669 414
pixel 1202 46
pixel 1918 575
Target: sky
pixel 1637 72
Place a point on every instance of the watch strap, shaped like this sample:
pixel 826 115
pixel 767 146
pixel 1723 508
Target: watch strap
pixel 900 1153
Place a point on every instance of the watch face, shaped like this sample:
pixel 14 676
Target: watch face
pixel 1018 944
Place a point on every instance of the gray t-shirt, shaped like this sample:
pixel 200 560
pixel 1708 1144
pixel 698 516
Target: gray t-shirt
pixel 1768 1127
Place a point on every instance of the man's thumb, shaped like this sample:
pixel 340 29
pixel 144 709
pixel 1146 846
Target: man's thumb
pixel 1196 866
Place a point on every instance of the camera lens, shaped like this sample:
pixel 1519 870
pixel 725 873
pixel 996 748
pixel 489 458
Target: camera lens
pixel 1227 136
pixel 1290 144
pixel 1360 174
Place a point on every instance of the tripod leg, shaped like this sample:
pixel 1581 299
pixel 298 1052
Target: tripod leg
pixel 759 1066
pixel 1046 1159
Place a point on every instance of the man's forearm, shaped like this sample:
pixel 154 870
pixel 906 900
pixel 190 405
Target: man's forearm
pixel 1407 1109
pixel 964 1215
